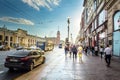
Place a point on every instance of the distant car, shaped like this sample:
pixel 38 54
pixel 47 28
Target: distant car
pixel 24 59
pixel 1 47
pixel 4 48
pixel 60 45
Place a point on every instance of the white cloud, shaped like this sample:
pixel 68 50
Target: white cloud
pixel 36 4
pixel 17 20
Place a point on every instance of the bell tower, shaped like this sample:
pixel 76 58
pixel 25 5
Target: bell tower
pixel 58 36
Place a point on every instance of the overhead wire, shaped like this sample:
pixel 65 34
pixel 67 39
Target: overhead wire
pixel 14 8
pixel 20 10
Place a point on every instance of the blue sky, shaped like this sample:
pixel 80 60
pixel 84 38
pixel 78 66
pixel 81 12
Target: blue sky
pixel 42 17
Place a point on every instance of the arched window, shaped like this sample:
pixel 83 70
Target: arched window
pixel 116 34
pixel 117 21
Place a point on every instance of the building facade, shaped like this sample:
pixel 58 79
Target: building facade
pixel 101 21
pixel 113 8
pixel 18 37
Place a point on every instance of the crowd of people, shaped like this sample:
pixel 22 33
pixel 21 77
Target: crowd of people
pixel 75 50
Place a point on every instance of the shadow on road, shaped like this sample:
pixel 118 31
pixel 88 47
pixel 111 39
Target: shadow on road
pixel 11 75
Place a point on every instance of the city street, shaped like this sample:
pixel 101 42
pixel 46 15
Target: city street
pixel 59 67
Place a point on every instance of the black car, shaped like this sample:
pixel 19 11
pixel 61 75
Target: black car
pixel 24 59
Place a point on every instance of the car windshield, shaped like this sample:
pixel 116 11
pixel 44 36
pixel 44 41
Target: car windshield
pixel 22 53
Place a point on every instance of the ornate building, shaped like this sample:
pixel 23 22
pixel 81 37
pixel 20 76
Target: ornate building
pixel 18 37
pixel 101 21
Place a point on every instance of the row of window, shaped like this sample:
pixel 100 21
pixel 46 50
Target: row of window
pixel 102 17
pixel 6 38
pixel 92 5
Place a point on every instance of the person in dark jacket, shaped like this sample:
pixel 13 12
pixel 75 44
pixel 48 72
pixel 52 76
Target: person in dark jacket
pixel 74 50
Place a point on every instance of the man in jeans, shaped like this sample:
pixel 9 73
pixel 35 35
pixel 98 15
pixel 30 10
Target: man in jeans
pixel 108 54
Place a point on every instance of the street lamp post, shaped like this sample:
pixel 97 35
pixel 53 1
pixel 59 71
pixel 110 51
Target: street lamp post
pixel 68 21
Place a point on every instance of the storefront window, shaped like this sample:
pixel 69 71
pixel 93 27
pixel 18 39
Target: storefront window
pixel 102 17
pixel 117 21
pixel 116 34
pixel 102 35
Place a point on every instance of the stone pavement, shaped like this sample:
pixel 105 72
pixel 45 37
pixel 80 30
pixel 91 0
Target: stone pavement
pixel 90 68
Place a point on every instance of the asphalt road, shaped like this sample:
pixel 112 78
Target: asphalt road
pixel 59 67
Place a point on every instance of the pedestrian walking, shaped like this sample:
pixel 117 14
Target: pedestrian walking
pixel 66 50
pixel 80 49
pixel 74 50
pixel 70 50
pixel 96 50
pixel 101 51
pixel 108 54
pixel 86 48
pixel 93 51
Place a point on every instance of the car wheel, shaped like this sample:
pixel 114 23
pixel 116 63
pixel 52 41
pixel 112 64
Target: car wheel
pixel 11 69
pixel 31 66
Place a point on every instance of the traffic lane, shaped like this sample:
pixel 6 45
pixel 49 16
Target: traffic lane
pixel 12 75
pixel 5 74
pixel 3 55
pixel 43 70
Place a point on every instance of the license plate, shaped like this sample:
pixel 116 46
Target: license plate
pixel 13 60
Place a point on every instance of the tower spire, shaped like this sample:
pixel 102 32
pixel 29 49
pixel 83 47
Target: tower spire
pixel 58 28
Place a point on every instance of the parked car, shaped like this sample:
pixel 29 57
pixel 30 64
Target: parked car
pixel 19 48
pixel 24 59
pixel 36 48
pixel 4 47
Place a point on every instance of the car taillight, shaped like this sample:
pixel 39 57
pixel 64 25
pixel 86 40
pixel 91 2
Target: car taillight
pixel 24 59
pixel 7 59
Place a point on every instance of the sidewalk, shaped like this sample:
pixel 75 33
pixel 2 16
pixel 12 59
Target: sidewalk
pixel 114 58
pixel 90 68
